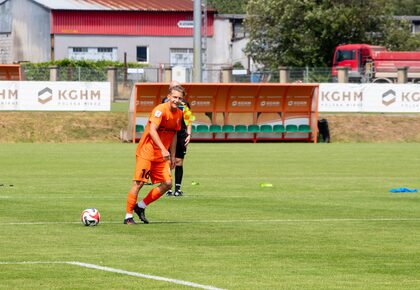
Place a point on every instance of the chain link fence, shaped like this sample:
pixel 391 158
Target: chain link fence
pixel 311 75
pixel 126 78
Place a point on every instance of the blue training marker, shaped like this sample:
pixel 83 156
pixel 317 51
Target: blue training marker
pixel 402 189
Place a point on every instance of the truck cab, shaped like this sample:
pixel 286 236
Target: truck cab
pixel 357 57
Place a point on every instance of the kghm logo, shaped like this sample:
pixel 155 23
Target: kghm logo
pixel 296 103
pixel 200 103
pixel 388 97
pixel 45 95
pixel 241 103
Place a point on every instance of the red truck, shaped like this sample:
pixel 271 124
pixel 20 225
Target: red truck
pixel 370 63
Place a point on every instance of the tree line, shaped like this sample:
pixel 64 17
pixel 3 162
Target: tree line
pixel 305 32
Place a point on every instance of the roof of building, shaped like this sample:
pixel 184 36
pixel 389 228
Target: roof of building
pixel 231 16
pixel 408 17
pixel 119 5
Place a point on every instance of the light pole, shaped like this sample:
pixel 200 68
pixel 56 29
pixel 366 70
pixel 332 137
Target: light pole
pixel 197 42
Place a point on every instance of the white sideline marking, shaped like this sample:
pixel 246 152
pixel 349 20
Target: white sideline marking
pixel 119 271
pixel 326 220
pixel 31 262
pixel 175 281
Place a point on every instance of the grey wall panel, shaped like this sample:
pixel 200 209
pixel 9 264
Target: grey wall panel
pixel 31 32
pixel 5 31
pixel 5 48
pixel 159 47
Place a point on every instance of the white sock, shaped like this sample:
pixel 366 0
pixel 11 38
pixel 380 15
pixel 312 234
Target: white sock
pixel 141 204
pixel 128 215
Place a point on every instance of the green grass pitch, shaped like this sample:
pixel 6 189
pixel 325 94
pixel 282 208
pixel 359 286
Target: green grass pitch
pixel 328 222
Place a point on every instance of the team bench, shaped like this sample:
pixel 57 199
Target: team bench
pixel 245 132
pixel 237 111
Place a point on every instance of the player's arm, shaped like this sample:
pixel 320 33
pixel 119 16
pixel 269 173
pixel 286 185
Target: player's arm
pixel 189 126
pixel 188 138
pixel 155 137
pixel 173 150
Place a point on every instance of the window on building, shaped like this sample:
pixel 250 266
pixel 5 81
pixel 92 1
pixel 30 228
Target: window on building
pixel 142 54
pixel 93 53
pixel 6 17
pixel 104 49
pixel 238 29
pixel 80 49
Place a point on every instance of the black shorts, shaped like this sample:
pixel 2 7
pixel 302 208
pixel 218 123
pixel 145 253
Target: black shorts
pixel 181 149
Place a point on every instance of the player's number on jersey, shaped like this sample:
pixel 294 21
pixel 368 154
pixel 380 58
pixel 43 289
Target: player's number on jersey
pixel 145 174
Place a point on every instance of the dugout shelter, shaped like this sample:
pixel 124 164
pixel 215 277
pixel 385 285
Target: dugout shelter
pixel 236 111
pixel 10 72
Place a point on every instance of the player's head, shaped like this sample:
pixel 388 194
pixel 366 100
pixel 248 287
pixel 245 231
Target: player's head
pixel 175 96
pixel 174 84
pixel 177 88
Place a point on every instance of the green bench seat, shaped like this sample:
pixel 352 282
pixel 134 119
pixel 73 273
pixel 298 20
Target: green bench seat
pixel 305 129
pixel 291 128
pixel 278 128
pixel 241 129
pixel 266 129
pixel 215 129
pixel 228 129
pixel 253 128
pixel 202 129
pixel 139 128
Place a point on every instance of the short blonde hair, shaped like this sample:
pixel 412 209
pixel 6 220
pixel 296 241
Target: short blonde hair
pixel 174 84
pixel 177 88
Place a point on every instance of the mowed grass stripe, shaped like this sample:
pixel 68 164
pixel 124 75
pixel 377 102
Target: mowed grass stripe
pixel 118 271
pixel 328 222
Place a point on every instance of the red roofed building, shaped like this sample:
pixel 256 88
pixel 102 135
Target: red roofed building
pixel 153 32
pixel 147 31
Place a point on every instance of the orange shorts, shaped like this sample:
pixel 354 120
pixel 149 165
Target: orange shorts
pixel 156 171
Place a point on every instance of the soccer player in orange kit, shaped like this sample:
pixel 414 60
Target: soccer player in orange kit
pixel 153 159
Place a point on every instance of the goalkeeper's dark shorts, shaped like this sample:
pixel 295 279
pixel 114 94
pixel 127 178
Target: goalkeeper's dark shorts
pixel 181 149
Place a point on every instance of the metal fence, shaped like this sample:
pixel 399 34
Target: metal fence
pixel 127 77
pixel 311 75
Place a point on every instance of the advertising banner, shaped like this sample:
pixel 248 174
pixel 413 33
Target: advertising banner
pixel 55 96
pixel 147 103
pixel 240 104
pixel 201 103
pixel 382 98
pixel 268 103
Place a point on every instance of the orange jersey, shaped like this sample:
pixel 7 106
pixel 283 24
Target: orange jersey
pixel 168 123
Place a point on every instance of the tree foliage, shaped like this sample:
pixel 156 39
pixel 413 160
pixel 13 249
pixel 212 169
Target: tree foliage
pixel 305 32
pixel 405 7
pixel 228 6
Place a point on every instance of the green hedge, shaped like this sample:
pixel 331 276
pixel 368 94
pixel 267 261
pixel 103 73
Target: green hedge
pixel 75 70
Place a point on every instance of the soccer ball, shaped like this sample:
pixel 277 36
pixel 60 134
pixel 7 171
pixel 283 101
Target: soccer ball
pixel 90 217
